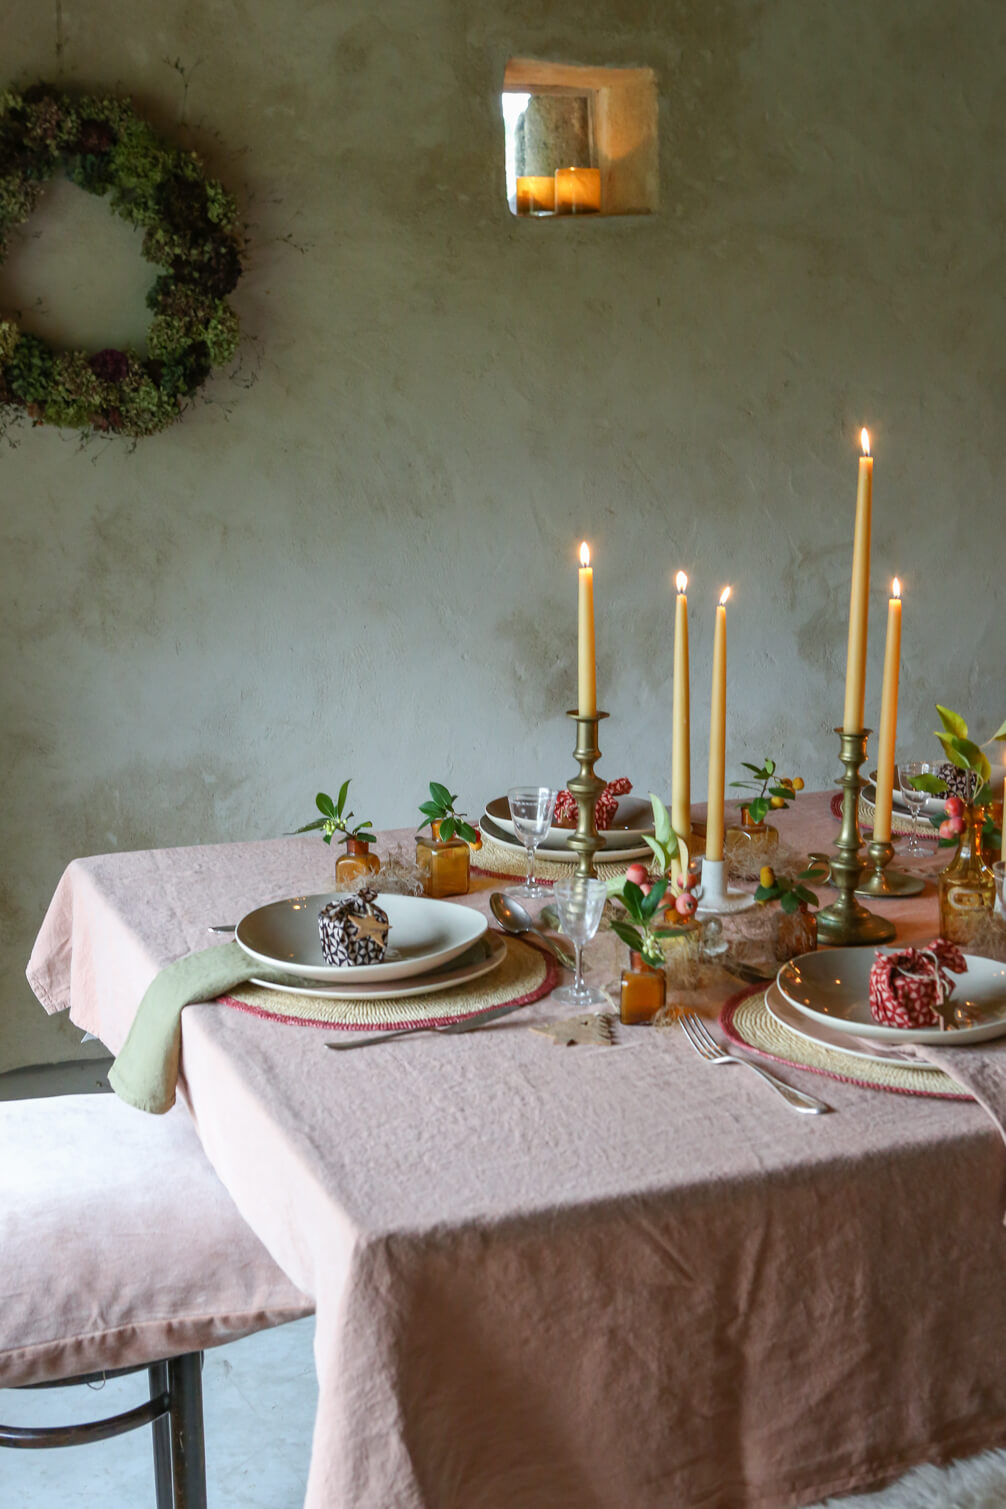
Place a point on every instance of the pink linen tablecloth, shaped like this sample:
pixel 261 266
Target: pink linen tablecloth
pixel 580 1278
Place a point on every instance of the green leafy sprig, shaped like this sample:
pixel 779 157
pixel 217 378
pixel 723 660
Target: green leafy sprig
pixel 335 819
pixel 790 893
pixel 963 752
pixel 440 809
pixel 640 932
pixel 773 791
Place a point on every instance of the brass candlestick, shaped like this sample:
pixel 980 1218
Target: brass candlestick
pixel 586 787
pixel 845 921
pixel 882 881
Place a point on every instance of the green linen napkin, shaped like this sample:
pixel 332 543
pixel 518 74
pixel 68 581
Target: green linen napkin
pixel 145 1074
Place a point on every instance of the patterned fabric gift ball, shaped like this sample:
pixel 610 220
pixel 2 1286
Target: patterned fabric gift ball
pixel 604 812
pixel 962 783
pixel 353 931
pixel 907 988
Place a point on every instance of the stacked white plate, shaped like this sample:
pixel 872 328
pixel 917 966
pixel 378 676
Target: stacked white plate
pixel 932 807
pixel 623 840
pixel 432 945
pixel 825 997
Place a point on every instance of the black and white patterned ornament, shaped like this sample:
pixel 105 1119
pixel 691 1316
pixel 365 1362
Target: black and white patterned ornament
pixel 962 783
pixel 353 931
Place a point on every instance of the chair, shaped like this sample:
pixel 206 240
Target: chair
pixel 120 1250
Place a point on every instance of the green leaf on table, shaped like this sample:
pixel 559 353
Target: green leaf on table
pixel 466 831
pixel 319 822
pixel 324 804
pixel 661 822
pixel 933 785
pixel 656 846
pixel 326 838
pixel 653 900
pixel 447 828
pixel 683 856
pixel 766 892
pixel 440 794
pixel 1000 732
pixel 790 903
pixel 430 809
pixel 758 808
pixel 340 800
pixel 952 722
pixel 950 748
pixel 769 767
pixel 976 758
pixel 365 838
pixel 628 934
pixel 782 791
pixel 805 894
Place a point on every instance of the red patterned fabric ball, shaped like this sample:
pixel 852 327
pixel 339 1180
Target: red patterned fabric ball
pixel 907 987
pixel 607 805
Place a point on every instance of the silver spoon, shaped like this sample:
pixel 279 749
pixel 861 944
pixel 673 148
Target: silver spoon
pixel 515 919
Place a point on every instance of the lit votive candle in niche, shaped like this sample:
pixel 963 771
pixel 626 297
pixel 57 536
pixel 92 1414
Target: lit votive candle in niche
pixel 536 194
pixel 577 191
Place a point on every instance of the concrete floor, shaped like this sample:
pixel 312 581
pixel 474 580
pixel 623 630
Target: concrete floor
pixel 259 1400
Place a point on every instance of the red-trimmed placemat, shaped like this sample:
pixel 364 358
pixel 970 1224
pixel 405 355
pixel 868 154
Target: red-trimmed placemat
pixel 747 1021
pixel 526 974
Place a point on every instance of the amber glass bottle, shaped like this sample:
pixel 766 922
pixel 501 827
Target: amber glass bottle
pixel 643 993
pixel 356 861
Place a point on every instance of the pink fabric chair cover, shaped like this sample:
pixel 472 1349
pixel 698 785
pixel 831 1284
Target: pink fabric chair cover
pixel 118 1244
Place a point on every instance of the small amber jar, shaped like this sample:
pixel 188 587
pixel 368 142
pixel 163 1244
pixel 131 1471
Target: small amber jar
pixel 356 861
pixel 446 864
pixel 967 885
pixel 795 934
pixel 750 840
pixel 644 991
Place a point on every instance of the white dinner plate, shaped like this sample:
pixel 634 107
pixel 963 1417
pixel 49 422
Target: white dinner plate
pixel 481 959
pixel 633 818
pixel 833 987
pixel 423 935
pixel 558 856
pixel 825 1035
pixel 934 805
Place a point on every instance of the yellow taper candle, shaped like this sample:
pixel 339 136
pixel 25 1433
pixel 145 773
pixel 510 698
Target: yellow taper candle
pixel 681 743
pixel 718 734
pixel 859 596
pixel 888 718
pixel 1002 825
pixel 586 663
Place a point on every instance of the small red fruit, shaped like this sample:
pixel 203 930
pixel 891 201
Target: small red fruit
pixel 646 887
pixel 637 874
pixel 686 904
pixel 691 880
pixel 954 807
pixel 956 824
pixel 950 827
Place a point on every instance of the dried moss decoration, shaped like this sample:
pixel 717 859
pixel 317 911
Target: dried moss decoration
pixel 191 231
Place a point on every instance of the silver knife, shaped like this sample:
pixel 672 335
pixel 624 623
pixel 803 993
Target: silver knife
pixel 480 1019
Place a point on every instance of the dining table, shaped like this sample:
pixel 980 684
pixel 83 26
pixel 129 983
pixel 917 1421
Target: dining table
pixel 588 1277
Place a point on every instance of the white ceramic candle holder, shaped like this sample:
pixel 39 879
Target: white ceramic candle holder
pixel 716 897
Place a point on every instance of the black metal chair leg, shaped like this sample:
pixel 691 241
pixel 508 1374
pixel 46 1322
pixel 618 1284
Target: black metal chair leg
pixel 188 1452
pixel 161 1429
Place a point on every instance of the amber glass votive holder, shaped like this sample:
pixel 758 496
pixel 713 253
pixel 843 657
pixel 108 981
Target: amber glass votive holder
pixel 577 191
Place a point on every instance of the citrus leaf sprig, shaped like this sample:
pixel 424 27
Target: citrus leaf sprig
pixel 774 791
pixel 791 895
pixel 335 819
pixel 440 809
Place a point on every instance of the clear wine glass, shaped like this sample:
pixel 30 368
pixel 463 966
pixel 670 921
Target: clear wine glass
pixel 531 808
pixel 916 800
pixel 580 904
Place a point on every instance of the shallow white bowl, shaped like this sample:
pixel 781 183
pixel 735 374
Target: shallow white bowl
pixel 633 818
pixel 423 934
pixel 832 986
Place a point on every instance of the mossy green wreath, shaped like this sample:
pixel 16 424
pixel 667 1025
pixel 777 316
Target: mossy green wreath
pixel 191 231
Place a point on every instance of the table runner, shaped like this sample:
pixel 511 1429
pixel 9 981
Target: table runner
pixel 578 1278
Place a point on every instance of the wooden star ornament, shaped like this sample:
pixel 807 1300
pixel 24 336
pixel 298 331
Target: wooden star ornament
pixel 598 1027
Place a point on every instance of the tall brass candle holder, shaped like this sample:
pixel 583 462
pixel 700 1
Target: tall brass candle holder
pixel 845 920
pixel 586 787
pixel 882 881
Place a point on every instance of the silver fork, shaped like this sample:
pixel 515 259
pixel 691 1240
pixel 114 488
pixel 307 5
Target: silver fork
pixel 706 1047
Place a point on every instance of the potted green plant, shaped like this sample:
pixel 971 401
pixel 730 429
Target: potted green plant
pixel 357 836
pixel 650 899
pixel 445 856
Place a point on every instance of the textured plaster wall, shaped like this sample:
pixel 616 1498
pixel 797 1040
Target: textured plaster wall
pixel 362 564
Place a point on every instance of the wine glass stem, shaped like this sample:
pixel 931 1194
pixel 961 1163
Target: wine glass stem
pixel 578 980
pixel 529 882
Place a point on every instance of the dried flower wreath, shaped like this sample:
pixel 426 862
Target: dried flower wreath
pixel 191 231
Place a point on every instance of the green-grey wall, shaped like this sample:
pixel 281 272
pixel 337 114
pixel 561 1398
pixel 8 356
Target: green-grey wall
pixel 362 564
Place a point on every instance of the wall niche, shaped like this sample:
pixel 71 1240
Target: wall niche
pixel 579 140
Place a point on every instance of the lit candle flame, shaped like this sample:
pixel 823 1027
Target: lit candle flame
pixel 584 554
pixel 681 581
pixel 724 595
pixel 864 440
pixel 895 588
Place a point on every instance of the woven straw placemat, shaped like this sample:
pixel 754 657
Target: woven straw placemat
pixel 496 859
pixel 526 974
pixel 901 823
pixel 747 1020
